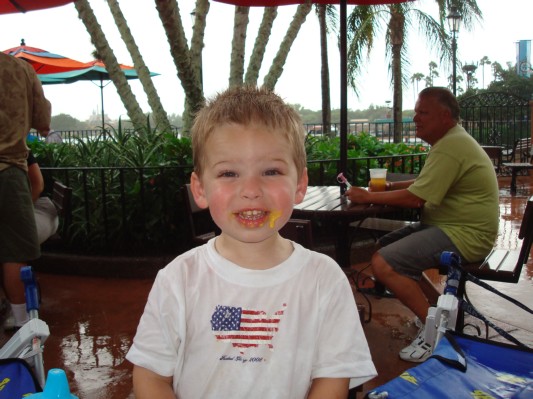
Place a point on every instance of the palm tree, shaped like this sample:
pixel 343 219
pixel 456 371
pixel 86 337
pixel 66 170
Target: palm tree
pixel 160 115
pixel 484 61
pixel 433 73
pixel 187 61
pixel 261 41
pixel 365 21
pixel 415 80
pixel 364 24
pixel 86 14
pixel 276 68
pixel 458 80
pixel 327 19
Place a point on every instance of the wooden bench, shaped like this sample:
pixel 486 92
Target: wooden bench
pixel 520 152
pixel 495 153
pixel 520 160
pixel 503 265
pixel 62 200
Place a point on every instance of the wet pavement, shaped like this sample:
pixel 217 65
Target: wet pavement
pixel 93 320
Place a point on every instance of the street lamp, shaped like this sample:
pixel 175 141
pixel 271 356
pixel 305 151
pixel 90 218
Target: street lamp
pixel 454 20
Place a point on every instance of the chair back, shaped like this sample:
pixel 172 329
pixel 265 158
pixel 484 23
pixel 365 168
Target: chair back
pixel 300 231
pixel 526 235
pixel 201 225
pixel 62 200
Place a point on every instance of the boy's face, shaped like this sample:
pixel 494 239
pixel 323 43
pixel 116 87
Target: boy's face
pixel 249 182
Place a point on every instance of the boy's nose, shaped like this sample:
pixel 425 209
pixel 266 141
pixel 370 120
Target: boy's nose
pixel 251 188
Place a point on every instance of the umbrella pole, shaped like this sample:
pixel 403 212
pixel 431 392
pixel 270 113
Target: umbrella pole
pixel 102 101
pixel 344 96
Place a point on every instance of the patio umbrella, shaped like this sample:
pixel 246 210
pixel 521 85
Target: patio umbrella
pixel 43 61
pixel 343 51
pixel 14 6
pixel 93 71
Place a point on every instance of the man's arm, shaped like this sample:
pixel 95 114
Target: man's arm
pixel 36 180
pixel 42 109
pixel 329 388
pixel 149 385
pixel 401 198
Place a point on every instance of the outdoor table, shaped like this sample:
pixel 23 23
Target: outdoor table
pixel 327 203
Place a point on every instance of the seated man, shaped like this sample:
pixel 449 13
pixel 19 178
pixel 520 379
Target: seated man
pixel 457 190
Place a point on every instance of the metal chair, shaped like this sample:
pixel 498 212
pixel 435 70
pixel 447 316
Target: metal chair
pixel 300 231
pixel 201 226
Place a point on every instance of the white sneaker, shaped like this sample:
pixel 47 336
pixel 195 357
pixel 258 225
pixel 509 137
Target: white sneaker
pixel 418 351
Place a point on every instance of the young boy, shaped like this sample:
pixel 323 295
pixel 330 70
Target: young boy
pixel 249 314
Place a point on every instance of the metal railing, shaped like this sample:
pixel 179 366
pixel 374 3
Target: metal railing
pixel 139 210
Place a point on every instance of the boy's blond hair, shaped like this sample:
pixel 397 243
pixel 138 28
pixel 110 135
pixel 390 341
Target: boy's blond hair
pixel 248 105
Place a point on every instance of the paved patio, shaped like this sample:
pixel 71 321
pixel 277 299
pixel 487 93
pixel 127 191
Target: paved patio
pixel 93 320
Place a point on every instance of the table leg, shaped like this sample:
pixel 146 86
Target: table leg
pixel 343 248
pixel 514 171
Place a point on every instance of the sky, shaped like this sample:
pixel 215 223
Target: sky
pixel 60 31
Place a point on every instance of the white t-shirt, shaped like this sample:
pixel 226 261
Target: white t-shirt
pixel 223 331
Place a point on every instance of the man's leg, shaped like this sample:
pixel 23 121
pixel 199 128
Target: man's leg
pixel 399 265
pixel 406 289
pixel 19 242
pixel 14 289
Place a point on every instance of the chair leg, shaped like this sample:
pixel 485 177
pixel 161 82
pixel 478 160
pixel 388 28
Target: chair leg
pixel 460 323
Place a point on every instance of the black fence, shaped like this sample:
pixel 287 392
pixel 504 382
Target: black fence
pixel 140 209
pixel 127 210
pixel 492 118
pixel 496 119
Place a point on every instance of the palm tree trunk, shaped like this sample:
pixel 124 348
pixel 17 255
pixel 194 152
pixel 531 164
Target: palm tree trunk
pixel 276 68
pixel 324 71
pixel 396 31
pixel 261 41
pixel 99 40
pixel 171 19
pixel 238 45
pixel 160 115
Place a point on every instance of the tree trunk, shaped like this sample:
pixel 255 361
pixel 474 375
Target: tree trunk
pixel 261 41
pixel 276 69
pixel 324 72
pixel 99 40
pixel 160 115
pixel 197 42
pixel 171 19
pixel 396 31
pixel 238 45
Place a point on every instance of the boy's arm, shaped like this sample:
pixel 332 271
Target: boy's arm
pixel 329 388
pixel 149 385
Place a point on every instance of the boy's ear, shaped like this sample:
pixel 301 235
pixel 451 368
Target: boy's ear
pixel 301 187
pixel 198 191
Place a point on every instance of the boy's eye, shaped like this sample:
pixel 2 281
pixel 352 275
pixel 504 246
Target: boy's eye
pixel 272 172
pixel 227 173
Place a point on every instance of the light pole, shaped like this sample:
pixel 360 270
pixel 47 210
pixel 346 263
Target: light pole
pixel 454 20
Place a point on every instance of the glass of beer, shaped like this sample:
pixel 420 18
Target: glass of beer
pixel 378 179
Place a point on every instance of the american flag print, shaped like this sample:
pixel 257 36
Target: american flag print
pixel 245 328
